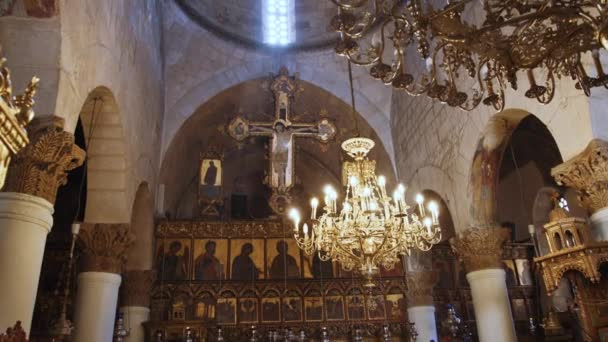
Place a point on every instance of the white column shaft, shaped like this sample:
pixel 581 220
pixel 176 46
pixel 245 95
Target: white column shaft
pixel 96 302
pixel 25 221
pixel 133 317
pixel 599 222
pixel 492 307
pixel 423 318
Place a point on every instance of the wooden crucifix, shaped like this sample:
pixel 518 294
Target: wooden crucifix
pixel 281 131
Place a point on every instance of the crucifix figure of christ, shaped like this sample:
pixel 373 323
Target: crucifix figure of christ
pixel 282 133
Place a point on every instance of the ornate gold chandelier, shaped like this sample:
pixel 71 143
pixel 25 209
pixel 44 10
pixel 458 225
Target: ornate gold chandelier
pixel 434 51
pixel 370 229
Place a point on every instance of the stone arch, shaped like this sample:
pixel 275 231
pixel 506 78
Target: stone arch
pixel 107 199
pixel 370 108
pixel 206 123
pixel 487 162
pixel 140 256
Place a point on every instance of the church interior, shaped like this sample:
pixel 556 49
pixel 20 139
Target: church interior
pixel 303 170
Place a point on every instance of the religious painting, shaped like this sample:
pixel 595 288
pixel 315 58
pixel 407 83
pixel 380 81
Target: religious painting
pixel 523 272
pixel 210 259
pixel 248 310
pixel 509 267
pixel 247 259
pixel 334 308
pixel 316 268
pixel 210 178
pixel 292 309
pixel 313 309
pixel 173 259
pixel 204 310
pixel 271 310
pixel 178 310
pixel 520 312
pixel 395 306
pixel 355 307
pixel 283 259
pixel 226 311
pixel 376 307
pixel 238 128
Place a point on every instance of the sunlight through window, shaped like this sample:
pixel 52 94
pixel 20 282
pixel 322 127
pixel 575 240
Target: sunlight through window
pixel 278 22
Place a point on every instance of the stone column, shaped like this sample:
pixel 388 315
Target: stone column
pixel 104 247
pixel 420 308
pixel 26 210
pixel 481 252
pixel 587 173
pixel 135 301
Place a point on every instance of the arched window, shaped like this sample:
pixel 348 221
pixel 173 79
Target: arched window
pixel 558 241
pixel 570 242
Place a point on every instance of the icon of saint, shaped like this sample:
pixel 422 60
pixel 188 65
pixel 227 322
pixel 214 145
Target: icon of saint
pixel 284 265
pixel 243 267
pixel 207 266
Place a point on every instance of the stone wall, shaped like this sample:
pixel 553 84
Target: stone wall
pixel 114 44
pixel 435 144
pixel 199 65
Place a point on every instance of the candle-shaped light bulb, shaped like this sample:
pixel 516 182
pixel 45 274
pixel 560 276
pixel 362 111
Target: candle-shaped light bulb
pixel 305 230
pixel 427 222
pixel 294 215
pixel 328 189
pixel 397 198
pixel 367 191
pixel 420 200
pixel 531 229
pixel 373 206
pixel 314 203
pixel 401 188
pixel 434 209
pixel 75 228
pixel 381 180
pixel 347 207
pixel 353 181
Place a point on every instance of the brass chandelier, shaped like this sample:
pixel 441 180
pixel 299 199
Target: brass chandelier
pixel 370 228
pixel 434 51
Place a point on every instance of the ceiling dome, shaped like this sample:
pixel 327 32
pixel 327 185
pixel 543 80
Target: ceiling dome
pixel 241 20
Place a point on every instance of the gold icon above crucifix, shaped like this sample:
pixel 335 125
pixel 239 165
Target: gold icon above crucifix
pixel 281 131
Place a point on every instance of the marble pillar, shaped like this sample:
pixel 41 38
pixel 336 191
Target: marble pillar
pixel 587 173
pixel 420 307
pixel 26 209
pixel 135 301
pixel 480 249
pixel 104 248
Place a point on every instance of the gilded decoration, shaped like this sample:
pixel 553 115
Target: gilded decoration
pixel 221 229
pixel 420 287
pixel 136 287
pixel 282 131
pixel 104 246
pixel 571 249
pixel 14 334
pixel 41 167
pixel 480 248
pixel 587 172
pixel 15 113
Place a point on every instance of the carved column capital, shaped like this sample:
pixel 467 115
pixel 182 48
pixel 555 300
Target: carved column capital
pixel 104 246
pixel 480 248
pixel 135 288
pixel 587 172
pixel 40 168
pixel 420 286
